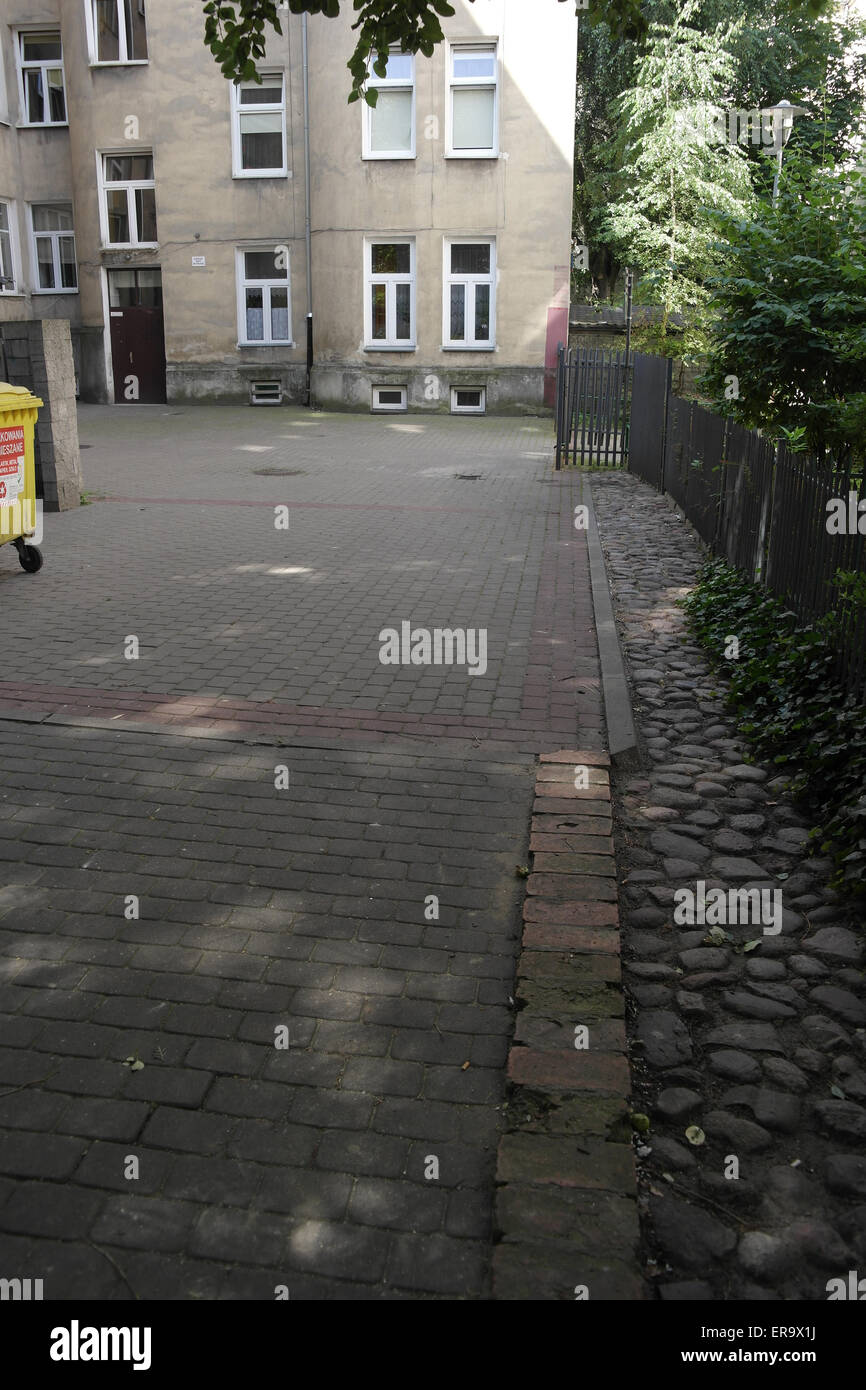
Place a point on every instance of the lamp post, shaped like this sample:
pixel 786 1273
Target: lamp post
pixel 782 116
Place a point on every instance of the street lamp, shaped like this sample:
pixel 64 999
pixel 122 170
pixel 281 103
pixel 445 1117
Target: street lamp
pixel 782 117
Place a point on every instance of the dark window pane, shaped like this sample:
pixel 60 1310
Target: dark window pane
pixel 145 213
pixel 379 314
pixel 45 261
pixel 470 259
pixel 261 140
pixel 68 268
pixel 268 93
pixel 469 399
pixel 118 216
pixel 391 258
pixel 121 288
pixel 107 39
pixel 458 313
pixel 120 167
pixel 482 313
pixel 136 30
pixel 56 97
pixel 262 265
pixel 33 90
pixel 390 397
pixel 149 288
pixel 404 312
pixel 280 315
pixel 141 166
pixel 255 315
pixel 41 48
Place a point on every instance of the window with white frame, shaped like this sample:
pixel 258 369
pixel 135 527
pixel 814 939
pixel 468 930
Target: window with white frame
pixel 40 65
pixel 264 302
pixel 128 200
pixel 8 283
pixel 473 115
pixel 53 248
pixel 117 31
pixel 389 126
pixel 389 399
pixel 389 277
pixel 259 127
pixel 469 308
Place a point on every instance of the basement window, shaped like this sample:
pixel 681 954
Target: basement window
pixel 468 400
pixel 389 398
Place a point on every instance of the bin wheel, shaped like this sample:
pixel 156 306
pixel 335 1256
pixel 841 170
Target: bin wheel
pixel 30 557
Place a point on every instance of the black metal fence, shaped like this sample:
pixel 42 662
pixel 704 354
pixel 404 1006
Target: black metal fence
pixel 761 508
pixel 592 407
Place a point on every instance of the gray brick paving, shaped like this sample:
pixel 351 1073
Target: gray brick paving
pixel 260 908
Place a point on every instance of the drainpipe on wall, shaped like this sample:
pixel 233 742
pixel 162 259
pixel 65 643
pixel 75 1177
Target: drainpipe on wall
pixel 307 215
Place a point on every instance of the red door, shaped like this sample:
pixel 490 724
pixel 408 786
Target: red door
pixel 137 335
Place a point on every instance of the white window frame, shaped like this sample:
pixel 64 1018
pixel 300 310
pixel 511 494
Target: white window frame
pixel 380 407
pixel 122 40
pixel 267 108
pixel 390 343
pixel 130 185
pixel 480 409
pixel 477 45
pixel 19 35
pixel 16 288
pixel 54 238
pixel 469 343
pixel 385 84
pixel 242 284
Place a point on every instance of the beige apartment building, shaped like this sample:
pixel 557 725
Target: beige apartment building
pixel 166 211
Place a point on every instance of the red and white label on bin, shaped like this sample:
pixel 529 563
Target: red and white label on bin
pixel 11 463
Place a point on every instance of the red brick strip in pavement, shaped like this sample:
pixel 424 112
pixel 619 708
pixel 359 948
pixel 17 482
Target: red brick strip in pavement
pixel 566 1205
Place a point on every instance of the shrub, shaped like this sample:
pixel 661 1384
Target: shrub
pixel 792 708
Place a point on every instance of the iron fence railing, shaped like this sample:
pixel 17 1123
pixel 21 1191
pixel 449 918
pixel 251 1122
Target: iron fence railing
pixel 764 510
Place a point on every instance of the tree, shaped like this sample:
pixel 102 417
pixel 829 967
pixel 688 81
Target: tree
pixel 671 171
pixel 789 309
pixel 778 51
pixel 236 30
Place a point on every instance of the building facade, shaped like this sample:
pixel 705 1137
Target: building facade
pixel 163 209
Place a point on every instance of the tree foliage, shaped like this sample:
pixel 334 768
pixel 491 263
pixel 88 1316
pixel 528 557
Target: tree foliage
pixel 778 50
pixel 789 304
pixel 670 174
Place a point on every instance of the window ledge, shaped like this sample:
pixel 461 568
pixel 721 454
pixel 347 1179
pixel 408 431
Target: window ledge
pixel 128 246
pixel 266 345
pixel 472 154
pixel 263 174
pixel 374 158
pixel 35 292
pixel 462 347
pixel 119 63
pixel 42 125
pixel 383 347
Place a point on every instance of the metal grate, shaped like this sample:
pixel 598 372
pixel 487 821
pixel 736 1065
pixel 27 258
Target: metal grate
pixel 266 393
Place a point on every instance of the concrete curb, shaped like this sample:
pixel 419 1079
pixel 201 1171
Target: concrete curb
pixel 566 1201
pixel 621 734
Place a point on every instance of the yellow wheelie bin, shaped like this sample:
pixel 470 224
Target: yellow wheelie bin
pixel 18 518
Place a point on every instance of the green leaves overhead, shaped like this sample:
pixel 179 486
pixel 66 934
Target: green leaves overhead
pixel 789 304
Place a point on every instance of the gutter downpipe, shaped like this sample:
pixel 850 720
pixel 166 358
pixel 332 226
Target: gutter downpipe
pixel 307 211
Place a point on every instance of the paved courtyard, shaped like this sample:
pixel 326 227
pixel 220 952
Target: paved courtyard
pixel 242 831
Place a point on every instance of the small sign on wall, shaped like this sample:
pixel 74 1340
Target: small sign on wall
pixel 198 261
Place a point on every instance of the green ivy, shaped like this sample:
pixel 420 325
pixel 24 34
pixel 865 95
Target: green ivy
pixel 790 705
